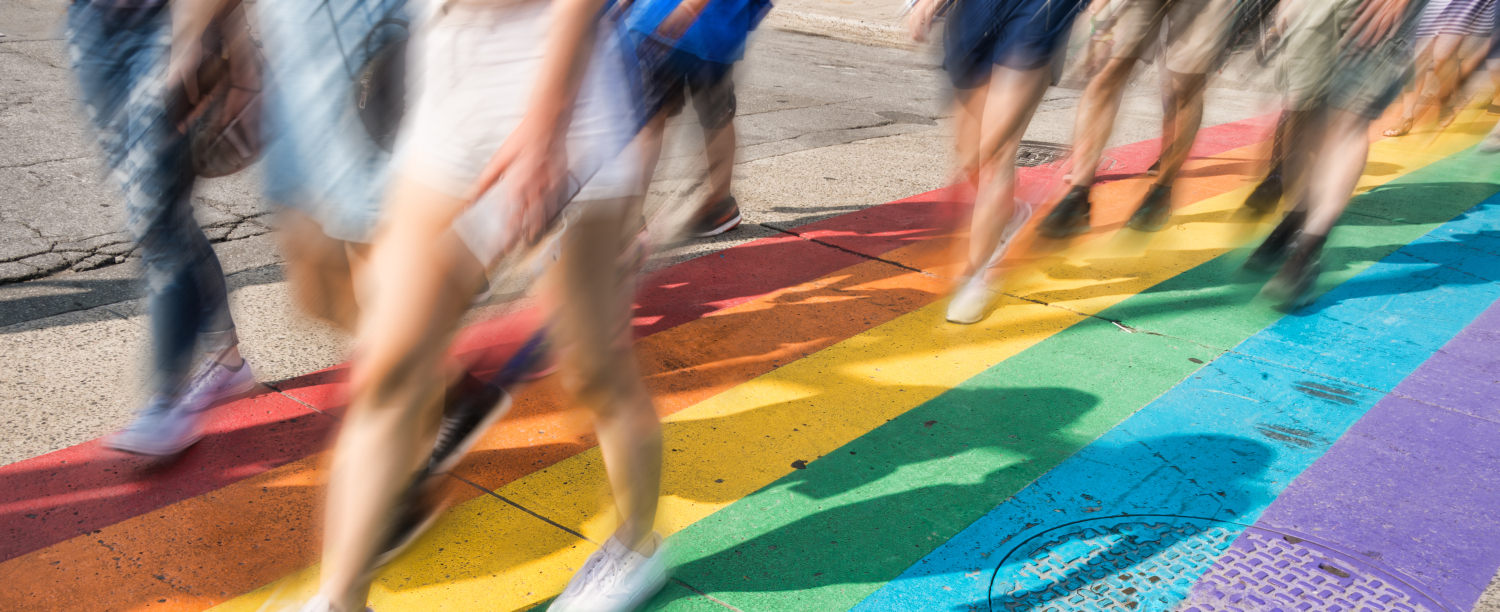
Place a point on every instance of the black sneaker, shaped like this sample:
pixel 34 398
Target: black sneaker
pixel 1292 287
pixel 716 219
pixel 1070 216
pixel 1267 194
pixel 1278 245
pixel 1154 212
pixel 416 510
pixel 1155 168
pixel 474 405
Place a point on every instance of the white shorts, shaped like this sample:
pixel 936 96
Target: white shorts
pixel 476 67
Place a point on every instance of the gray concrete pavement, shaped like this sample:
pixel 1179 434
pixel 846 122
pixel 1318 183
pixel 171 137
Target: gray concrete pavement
pixel 826 126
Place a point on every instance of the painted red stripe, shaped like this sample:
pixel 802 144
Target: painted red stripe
pixel 70 492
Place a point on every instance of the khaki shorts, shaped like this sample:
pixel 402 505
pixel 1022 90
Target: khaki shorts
pixel 1197 31
pixel 1315 72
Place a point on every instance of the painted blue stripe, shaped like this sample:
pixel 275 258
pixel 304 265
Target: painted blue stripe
pixel 1224 443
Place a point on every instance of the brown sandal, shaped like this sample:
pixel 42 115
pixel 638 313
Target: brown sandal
pixel 1400 129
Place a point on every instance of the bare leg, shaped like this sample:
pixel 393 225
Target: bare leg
pixel 1011 100
pixel 318 268
pixel 1340 161
pixel 1096 118
pixel 1446 68
pixel 592 294
pixel 423 279
pixel 1187 91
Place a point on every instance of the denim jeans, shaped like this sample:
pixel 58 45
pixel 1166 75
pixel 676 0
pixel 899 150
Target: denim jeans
pixel 120 57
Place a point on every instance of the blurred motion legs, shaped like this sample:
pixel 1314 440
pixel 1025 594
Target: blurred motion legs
pixel 1341 87
pixel 120 58
pixel 991 120
pixel 1196 31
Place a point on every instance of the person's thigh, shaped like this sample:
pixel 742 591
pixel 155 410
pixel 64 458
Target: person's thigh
pixel 1198 31
pixel 1136 28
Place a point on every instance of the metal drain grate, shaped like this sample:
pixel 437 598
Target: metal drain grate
pixel 1265 570
pixel 1032 153
pixel 1186 564
pixel 1123 564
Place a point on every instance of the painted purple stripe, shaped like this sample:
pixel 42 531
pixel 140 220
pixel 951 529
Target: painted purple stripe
pixel 1415 484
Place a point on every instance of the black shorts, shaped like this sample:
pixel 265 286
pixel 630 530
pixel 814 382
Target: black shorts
pixel 710 84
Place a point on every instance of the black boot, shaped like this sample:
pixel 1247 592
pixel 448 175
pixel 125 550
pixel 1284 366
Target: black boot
pixel 1071 216
pixel 1276 247
pixel 1267 194
pixel 1154 212
pixel 1292 286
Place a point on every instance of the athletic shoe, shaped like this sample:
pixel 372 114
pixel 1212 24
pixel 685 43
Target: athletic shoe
pixel 716 218
pixel 165 427
pixel 416 510
pixel 614 579
pixel 1267 194
pixel 1070 217
pixel 215 382
pixel 474 405
pixel 1491 143
pixel 1155 168
pixel 1292 287
pixel 971 300
pixel 1154 212
pixel 974 294
pixel 1278 244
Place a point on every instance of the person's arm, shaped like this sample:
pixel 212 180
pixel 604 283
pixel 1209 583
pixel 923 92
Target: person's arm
pixel 919 21
pixel 681 18
pixel 1373 22
pixel 532 158
pixel 190 19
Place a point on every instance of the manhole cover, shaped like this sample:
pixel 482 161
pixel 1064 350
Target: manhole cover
pixel 1124 563
pixel 1151 563
pixel 1265 570
pixel 1032 153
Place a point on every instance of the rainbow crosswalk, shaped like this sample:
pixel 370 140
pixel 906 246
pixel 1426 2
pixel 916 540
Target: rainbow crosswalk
pixel 833 444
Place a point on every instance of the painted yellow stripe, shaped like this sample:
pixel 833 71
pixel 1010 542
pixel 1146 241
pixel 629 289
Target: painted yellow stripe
pixel 487 555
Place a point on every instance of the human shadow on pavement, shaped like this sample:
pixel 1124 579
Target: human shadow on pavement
pixel 866 511
pixel 1167 503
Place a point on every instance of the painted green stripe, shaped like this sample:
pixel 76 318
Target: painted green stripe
pixel 825 537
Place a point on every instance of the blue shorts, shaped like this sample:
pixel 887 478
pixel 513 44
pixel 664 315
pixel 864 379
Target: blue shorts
pixel 319 158
pixel 1018 34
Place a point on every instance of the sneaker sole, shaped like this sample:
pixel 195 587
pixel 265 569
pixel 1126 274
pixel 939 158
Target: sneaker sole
pixel 721 228
pixel 146 451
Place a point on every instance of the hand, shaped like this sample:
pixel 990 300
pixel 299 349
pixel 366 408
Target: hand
pixel 678 21
pixel 1374 21
pixel 919 20
pixel 532 162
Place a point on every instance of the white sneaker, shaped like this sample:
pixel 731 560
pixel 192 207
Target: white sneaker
pixel 970 301
pixel 614 579
pixel 215 382
pixel 974 294
pixel 1018 220
pixel 1491 143
pixel 165 428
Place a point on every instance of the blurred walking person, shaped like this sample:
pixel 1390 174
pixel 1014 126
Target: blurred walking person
pixel 138 84
pixel 1196 32
pixel 1343 64
pixel 998 54
pixel 1444 28
pixel 509 101
pixel 699 42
